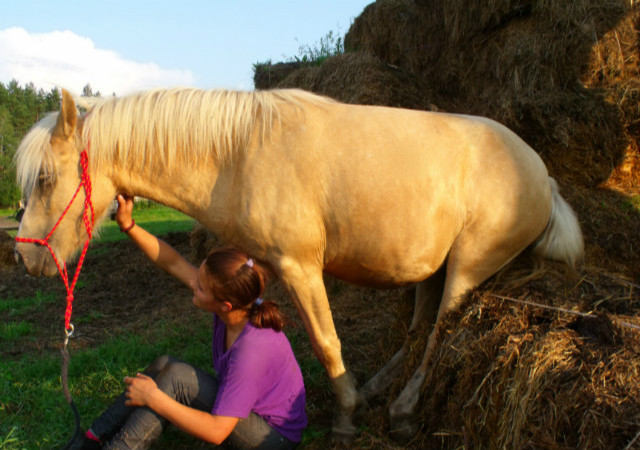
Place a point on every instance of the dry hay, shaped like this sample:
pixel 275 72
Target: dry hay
pixel 266 75
pixel 508 375
pixel 357 78
pixel 523 63
pixel 551 364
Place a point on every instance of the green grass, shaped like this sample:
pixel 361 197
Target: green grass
pixel 331 44
pixel 156 220
pixel 15 330
pixel 33 413
pixel 635 201
pixel 20 306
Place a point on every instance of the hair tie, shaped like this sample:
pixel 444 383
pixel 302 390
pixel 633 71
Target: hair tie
pixel 249 262
pixel 258 302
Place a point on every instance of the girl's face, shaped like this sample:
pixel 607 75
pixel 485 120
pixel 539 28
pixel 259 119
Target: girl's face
pixel 203 298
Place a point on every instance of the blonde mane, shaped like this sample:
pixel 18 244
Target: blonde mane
pixel 165 127
pixel 34 157
pixel 160 128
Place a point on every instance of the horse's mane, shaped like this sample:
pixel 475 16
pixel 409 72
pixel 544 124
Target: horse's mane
pixel 163 127
pixel 33 157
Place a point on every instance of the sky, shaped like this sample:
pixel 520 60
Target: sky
pixel 124 46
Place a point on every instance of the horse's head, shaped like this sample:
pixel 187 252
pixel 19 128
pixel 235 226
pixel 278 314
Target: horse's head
pixel 49 173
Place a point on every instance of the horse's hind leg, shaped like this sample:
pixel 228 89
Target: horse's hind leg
pixel 471 261
pixel 427 301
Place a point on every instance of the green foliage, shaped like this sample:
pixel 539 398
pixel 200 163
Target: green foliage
pixel 330 45
pixel 14 330
pixel 24 305
pixel 155 218
pixel 20 108
pixel 88 92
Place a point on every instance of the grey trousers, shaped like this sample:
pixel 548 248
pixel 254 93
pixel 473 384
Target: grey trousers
pixel 127 427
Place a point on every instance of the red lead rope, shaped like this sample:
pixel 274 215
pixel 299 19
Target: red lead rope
pixel 88 224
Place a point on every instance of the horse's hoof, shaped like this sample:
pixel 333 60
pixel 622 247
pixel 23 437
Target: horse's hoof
pixel 343 434
pixel 403 432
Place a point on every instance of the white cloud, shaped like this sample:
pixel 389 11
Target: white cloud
pixel 64 59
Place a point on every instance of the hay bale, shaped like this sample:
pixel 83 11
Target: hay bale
pixel 359 78
pixel 614 68
pixel 268 75
pixel 509 375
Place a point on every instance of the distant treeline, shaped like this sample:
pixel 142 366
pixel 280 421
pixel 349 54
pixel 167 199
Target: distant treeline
pixel 20 108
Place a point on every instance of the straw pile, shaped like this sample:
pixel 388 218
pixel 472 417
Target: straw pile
pixel 364 79
pixel 512 375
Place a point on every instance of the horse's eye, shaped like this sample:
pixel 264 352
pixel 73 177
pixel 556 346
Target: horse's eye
pixel 45 180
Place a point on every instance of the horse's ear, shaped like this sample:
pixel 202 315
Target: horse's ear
pixel 67 119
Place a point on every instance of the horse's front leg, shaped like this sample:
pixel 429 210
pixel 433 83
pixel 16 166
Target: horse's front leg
pixel 306 288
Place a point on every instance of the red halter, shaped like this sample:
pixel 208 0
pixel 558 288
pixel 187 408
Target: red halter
pixel 85 182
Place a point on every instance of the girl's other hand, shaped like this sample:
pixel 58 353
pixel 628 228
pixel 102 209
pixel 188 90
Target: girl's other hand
pixel 139 390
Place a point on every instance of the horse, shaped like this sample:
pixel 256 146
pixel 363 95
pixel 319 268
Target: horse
pixel 376 196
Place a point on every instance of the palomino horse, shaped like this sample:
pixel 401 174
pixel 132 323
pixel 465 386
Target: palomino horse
pixel 372 195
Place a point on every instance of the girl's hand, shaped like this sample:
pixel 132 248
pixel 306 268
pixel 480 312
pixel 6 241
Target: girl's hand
pixel 139 390
pixel 125 211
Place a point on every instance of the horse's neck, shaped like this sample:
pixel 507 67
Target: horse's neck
pixel 186 190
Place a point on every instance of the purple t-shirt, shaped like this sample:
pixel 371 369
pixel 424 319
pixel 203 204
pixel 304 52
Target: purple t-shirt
pixel 259 374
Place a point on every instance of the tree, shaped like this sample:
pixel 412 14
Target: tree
pixel 20 108
pixel 88 92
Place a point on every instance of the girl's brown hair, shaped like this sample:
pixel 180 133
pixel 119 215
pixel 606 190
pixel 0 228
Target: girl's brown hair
pixel 234 277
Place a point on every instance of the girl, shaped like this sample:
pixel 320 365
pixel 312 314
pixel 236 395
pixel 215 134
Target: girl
pixel 257 399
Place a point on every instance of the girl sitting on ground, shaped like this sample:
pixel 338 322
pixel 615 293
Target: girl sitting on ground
pixel 257 399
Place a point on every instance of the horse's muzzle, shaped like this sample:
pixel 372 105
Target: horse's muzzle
pixel 35 259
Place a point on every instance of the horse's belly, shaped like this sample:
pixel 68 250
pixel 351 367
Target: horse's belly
pixel 380 276
pixel 387 261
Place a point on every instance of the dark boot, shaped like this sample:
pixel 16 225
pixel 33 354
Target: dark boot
pixel 81 442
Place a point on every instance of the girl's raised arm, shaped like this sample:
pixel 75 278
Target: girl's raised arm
pixel 157 250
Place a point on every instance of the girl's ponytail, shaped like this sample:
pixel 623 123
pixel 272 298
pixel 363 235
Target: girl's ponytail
pixel 236 278
pixel 266 314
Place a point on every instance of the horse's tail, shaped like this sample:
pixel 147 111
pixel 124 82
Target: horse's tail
pixel 562 239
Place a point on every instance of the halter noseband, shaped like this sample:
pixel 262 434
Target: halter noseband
pixel 85 182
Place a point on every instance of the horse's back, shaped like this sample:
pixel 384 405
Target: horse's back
pixel 392 189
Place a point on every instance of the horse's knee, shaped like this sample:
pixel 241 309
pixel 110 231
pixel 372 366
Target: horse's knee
pixel 328 352
pixel 158 364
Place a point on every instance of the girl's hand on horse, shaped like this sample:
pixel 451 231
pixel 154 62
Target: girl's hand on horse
pixel 125 211
pixel 139 390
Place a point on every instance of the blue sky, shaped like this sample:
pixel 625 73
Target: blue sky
pixel 124 46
